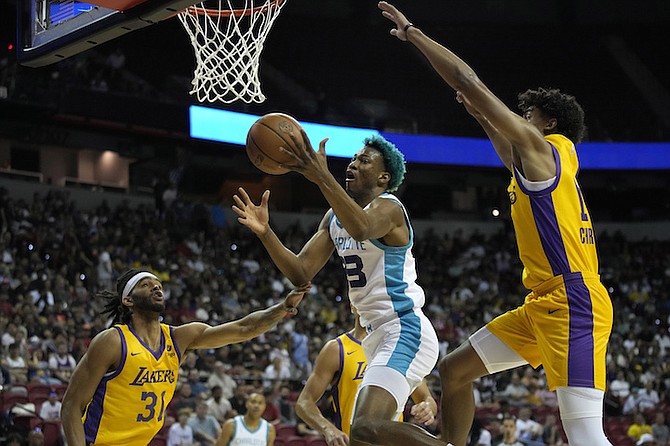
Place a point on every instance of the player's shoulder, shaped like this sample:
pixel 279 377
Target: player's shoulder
pixel 332 346
pixel 387 200
pixel 109 335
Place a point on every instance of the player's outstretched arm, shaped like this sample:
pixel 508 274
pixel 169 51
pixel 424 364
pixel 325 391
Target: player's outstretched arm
pixel 198 335
pixel 325 369
pixel 461 77
pixel 103 354
pixel 501 144
pixel 298 268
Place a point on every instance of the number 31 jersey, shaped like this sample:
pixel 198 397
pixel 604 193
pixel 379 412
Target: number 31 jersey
pixel 382 279
pixel 128 407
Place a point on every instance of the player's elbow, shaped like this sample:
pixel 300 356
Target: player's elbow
pixel 302 407
pixel 467 82
pixel 361 232
pixel 71 410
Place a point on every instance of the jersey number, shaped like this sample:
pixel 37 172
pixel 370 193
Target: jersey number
pixel 581 202
pixel 353 266
pixel 151 407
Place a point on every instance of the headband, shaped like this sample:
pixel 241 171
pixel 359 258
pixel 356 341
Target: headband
pixel 134 280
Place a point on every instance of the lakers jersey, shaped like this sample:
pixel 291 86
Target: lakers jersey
pixel 382 279
pixel 349 377
pixel 553 226
pixel 243 436
pixel 128 407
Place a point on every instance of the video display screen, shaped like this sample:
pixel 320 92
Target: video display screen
pixel 62 10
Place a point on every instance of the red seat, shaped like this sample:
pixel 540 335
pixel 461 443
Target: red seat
pixel 10 399
pixel 17 389
pixel 315 440
pixel 35 422
pixel 60 390
pixel 284 431
pixel 38 390
pixel 51 431
pixel 164 431
pixel 38 401
pixel 295 440
pixel 158 441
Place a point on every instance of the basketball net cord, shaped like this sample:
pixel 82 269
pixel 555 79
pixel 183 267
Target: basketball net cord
pixel 228 43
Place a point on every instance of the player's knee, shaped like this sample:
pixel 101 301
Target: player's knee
pixel 364 430
pixel 449 370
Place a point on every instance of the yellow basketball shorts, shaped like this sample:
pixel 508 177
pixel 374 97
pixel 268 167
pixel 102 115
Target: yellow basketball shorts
pixel 564 326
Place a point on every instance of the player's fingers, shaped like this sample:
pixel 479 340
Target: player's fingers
pixel 322 146
pixel 244 194
pixel 238 201
pixel 289 152
pixel 265 198
pixel 239 211
pixel 305 138
pixel 304 287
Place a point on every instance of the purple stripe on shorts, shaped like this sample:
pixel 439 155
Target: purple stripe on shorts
pixel 580 343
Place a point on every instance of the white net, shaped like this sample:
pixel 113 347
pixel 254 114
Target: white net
pixel 228 43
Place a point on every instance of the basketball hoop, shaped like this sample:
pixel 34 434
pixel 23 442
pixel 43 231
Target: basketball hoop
pixel 228 42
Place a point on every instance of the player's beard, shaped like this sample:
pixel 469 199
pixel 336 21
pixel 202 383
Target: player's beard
pixel 146 304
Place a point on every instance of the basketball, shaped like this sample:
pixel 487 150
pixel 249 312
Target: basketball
pixel 266 136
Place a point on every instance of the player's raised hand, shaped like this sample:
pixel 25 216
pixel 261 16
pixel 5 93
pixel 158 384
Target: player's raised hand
pixel 254 217
pixel 401 23
pixel 312 164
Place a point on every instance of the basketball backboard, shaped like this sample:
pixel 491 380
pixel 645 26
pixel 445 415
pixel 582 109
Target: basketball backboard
pixel 52 30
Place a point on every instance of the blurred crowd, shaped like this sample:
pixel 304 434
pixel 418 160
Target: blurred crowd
pixel 55 256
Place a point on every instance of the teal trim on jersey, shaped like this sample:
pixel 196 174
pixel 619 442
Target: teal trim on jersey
pixel 410 324
pixel 260 425
pixel 384 247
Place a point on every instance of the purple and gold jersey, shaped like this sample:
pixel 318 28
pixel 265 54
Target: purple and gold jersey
pixel 128 407
pixel 553 227
pixel 565 322
pixel 350 375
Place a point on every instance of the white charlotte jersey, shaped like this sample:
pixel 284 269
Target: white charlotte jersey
pixel 382 279
pixel 245 437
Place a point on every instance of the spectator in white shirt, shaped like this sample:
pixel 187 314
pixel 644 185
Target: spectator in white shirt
pixel 527 428
pixel 219 407
pixel 62 363
pixel 220 377
pixel 275 372
pixel 50 410
pixel 619 387
pixel 180 433
pixel 647 398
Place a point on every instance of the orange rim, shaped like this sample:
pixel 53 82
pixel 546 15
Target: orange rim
pixel 195 10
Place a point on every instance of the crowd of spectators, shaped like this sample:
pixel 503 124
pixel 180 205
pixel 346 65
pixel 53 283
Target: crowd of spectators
pixel 55 256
